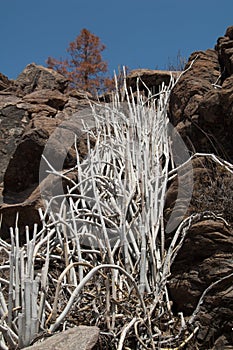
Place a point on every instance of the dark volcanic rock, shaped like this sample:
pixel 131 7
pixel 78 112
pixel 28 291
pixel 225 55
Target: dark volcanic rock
pixel 204 259
pixel 149 79
pixel 201 109
pixel 43 103
pixel 30 111
pixel 26 168
pixel 54 99
pixel 4 82
pixel 36 77
pixel 224 48
pixel 23 169
pixel 206 254
pixel 201 102
pixel 193 85
pixel 13 120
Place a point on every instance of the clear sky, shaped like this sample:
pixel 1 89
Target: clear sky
pixel 137 33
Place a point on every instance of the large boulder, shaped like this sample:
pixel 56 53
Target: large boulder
pixel 44 102
pixel 145 79
pixel 23 169
pixel 27 168
pixel 36 77
pixel 15 114
pixel 192 86
pixel 31 109
pixel 78 338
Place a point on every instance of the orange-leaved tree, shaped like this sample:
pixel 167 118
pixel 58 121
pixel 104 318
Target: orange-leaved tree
pixel 84 68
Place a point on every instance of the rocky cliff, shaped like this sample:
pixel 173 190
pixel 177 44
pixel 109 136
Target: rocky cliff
pixel 31 107
pixel 201 109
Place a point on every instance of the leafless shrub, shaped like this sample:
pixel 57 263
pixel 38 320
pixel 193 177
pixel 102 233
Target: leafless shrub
pixel 100 259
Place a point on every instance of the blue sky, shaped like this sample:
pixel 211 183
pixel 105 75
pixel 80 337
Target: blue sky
pixel 138 34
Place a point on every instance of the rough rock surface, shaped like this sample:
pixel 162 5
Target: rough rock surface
pixel 36 77
pixel 78 338
pixel 4 82
pixel 195 269
pixel 31 109
pixel 21 192
pixel 153 79
pixel 206 255
pixel 13 120
pixel 201 109
pixel 225 51
pixel 36 92
pixel 201 102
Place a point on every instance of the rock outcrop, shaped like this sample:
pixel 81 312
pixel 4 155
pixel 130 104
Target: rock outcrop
pixel 205 256
pixel 36 77
pixel 225 52
pixel 31 108
pixel 205 261
pixel 201 110
pixel 36 92
pixel 201 102
pixel 4 82
pixel 13 121
pixel 145 79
